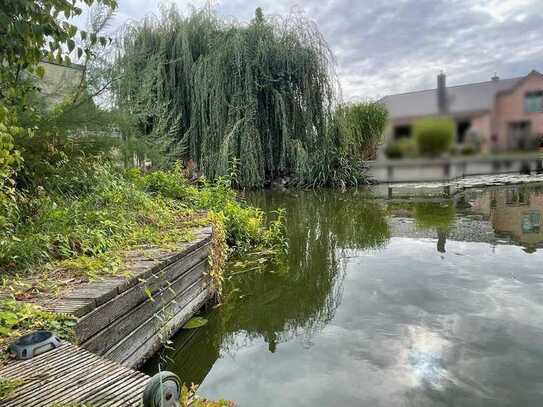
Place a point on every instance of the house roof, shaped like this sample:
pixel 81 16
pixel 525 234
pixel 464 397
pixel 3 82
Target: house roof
pixel 463 99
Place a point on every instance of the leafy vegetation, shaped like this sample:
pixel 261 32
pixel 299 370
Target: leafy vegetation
pixel 361 126
pixel 433 135
pixel 18 318
pixel 403 148
pixel 190 398
pixel 261 94
pixel 8 387
pixel 83 230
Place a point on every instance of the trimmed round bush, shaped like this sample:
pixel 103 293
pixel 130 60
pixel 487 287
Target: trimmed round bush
pixel 393 151
pixel 404 148
pixel 433 135
pixel 468 149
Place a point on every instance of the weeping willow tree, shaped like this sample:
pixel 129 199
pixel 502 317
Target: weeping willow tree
pixel 260 95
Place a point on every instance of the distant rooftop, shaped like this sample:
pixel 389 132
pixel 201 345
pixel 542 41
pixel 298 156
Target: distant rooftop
pixel 469 98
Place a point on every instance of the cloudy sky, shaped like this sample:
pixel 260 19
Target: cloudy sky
pixel 394 46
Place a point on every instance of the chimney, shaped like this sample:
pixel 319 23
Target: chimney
pixel 442 93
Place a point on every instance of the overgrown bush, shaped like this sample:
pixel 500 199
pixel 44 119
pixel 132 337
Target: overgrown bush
pixel 244 225
pixel 261 93
pixel 468 149
pixel 361 127
pixel 393 150
pixel 18 318
pixel 433 135
pixel 403 148
pixel 111 210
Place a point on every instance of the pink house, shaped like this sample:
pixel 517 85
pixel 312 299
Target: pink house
pixel 500 114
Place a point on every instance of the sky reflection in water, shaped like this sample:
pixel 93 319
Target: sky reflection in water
pixel 425 302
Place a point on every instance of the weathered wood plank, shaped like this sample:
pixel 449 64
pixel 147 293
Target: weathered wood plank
pixel 121 392
pixel 125 325
pixel 70 374
pixel 152 326
pixel 109 312
pixel 75 307
pixel 110 377
pixel 100 291
pixel 202 237
pixel 154 343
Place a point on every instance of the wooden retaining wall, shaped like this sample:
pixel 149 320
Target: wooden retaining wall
pixel 125 319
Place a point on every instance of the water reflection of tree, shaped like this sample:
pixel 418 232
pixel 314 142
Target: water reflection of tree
pixel 302 297
pixel 438 216
pixel 297 297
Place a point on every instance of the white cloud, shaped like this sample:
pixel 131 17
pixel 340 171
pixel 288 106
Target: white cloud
pixel 401 45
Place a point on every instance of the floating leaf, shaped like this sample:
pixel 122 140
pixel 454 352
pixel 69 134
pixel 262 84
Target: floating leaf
pixel 195 322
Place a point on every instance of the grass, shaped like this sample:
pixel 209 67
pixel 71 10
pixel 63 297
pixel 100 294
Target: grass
pixel 8 387
pixel 83 236
pixel 18 318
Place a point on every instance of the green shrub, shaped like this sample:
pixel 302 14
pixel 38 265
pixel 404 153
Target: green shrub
pixel 468 149
pixel 84 229
pixel 18 318
pixel 403 148
pixel 245 226
pixel 361 127
pixel 393 150
pixel 433 135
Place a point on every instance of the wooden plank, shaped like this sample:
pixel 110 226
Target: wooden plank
pixel 73 375
pixel 202 237
pixel 152 345
pixel 100 292
pixel 152 326
pixel 110 377
pixel 64 377
pixel 124 326
pixel 75 307
pixel 15 367
pixel 106 385
pixel 121 392
pixel 114 309
pixel 46 369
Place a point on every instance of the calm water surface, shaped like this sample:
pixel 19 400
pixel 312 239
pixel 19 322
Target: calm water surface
pixel 421 302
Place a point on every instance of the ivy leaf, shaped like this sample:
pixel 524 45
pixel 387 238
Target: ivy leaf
pixel 83 35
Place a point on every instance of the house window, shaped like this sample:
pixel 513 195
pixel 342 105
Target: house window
pixel 402 131
pixel 519 134
pixel 462 128
pixel 531 222
pixel 533 102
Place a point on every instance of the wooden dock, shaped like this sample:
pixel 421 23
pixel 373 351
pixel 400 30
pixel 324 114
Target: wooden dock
pixel 125 318
pixel 69 375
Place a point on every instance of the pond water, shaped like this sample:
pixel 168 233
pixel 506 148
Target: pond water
pixel 401 302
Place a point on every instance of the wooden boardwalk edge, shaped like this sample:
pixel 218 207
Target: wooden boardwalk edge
pixel 69 375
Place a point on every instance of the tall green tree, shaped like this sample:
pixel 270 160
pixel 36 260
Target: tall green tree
pixel 259 94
